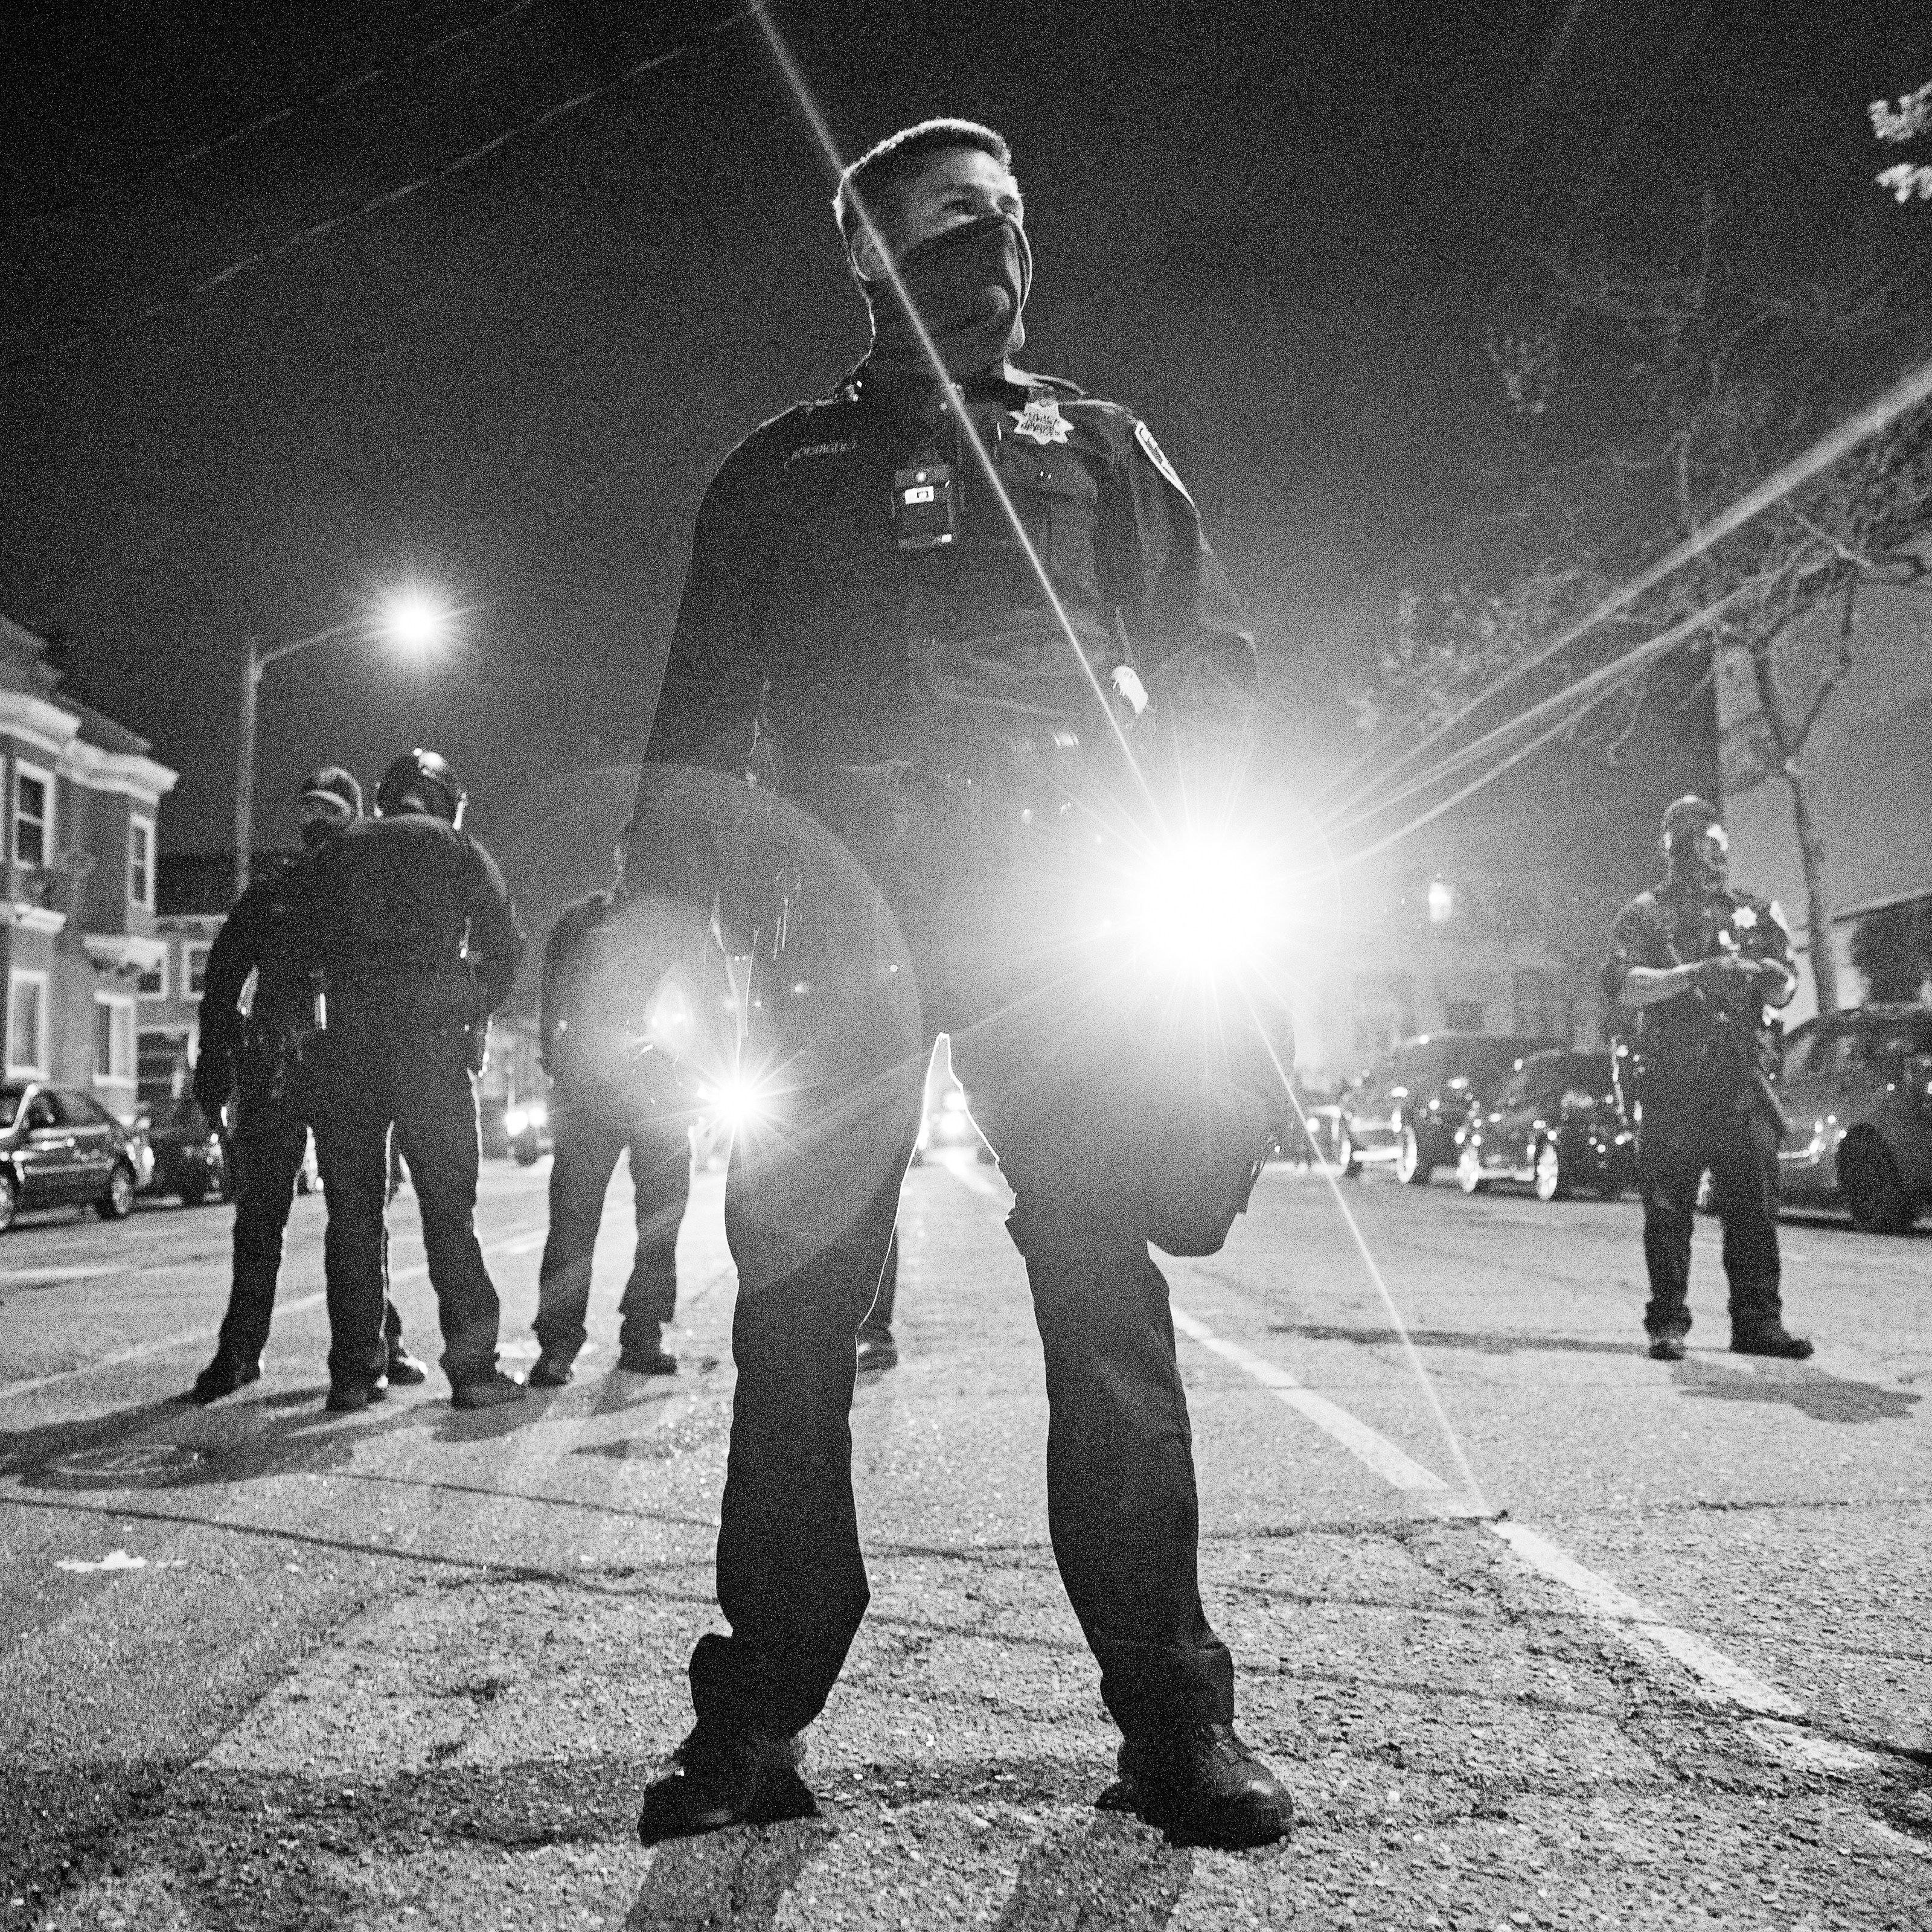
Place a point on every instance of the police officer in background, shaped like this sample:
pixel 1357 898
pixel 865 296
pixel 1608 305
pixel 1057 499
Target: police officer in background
pixel 261 1059
pixel 862 633
pixel 411 928
pixel 1697 963
pixel 613 1091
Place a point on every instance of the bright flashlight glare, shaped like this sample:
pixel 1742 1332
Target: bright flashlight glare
pixel 739 1101
pixel 531 1115
pixel 415 620
pixel 1204 904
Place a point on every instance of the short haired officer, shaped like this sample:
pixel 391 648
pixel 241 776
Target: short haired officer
pixel 1697 963
pixel 262 1059
pixel 411 928
pixel 862 633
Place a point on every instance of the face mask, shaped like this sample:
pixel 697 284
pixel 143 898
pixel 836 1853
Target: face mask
pixel 969 285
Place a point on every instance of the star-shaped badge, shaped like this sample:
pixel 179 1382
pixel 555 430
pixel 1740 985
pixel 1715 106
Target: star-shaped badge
pixel 1040 422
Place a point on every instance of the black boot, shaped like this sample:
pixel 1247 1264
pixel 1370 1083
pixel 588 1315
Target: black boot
pixel 1666 1348
pixel 1774 1340
pixel 223 1376
pixel 1201 1787
pixel 405 1370
pixel 877 1352
pixel 549 1371
pixel 725 1775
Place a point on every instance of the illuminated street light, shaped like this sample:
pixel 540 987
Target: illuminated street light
pixel 410 619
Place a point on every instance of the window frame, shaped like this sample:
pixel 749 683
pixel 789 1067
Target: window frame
pixel 18 977
pixel 192 949
pixel 120 1008
pixel 25 768
pixel 162 991
pixel 145 823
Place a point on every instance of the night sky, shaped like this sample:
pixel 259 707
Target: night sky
pixel 1277 232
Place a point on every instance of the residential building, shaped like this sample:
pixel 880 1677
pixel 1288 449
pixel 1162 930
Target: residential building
pixel 78 878
pixel 196 889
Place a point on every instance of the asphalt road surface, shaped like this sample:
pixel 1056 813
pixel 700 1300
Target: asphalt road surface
pixel 1638 1645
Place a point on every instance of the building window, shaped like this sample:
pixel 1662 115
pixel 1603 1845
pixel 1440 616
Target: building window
pixel 33 816
pixel 153 983
pixel 26 1022
pixel 141 863
pixel 113 1037
pixel 194 967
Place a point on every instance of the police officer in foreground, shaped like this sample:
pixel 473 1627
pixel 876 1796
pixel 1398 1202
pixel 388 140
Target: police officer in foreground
pixel 412 930
pixel 1697 963
pixel 862 636
pixel 261 1060
pixel 614 1090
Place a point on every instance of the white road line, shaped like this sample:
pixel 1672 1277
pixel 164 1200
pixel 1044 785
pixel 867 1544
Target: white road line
pixel 518 1244
pixel 1717 1673
pixel 1399 1470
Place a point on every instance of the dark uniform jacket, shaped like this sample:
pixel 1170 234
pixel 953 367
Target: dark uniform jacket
pixel 411 900
pixel 1694 1047
pixel 263 934
pixel 808 637
pixel 622 1011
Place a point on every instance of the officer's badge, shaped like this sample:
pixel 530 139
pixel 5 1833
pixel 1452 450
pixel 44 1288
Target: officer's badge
pixel 1744 918
pixel 1155 454
pixel 1040 422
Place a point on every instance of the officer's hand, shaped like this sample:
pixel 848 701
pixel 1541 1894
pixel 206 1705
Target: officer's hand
pixel 212 1078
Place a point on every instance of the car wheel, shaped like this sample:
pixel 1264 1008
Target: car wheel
pixel 1469 1169
pixel 1346 1158
pixel 1551 1182
pixel 1411 1169
pixel 193 1192
pixel 118 1203
pixel 10 1200
pixel 1873 1190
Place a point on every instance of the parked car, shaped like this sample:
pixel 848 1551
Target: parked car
pixel 1857 1088
pixel 1555 1126
pixel 59 1145
pixel 191 1158
pixel 1405 1111
pixel 527 1124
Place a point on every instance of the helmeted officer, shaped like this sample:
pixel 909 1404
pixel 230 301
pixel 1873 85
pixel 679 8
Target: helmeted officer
pixel 1697 963
pixel 864 638
pixel 261 1060
pixel 613 1091
pixel 412 930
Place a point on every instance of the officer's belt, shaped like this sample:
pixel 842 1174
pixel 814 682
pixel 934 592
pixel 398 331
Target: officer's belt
pixel 989 806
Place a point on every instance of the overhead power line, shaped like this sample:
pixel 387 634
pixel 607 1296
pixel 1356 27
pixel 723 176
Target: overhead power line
pixel 341 89
pixel 105 321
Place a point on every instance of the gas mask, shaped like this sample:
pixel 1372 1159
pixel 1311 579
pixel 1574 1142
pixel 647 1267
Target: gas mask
pixel 969 285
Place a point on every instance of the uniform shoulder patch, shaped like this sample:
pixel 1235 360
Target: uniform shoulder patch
pixel 1155 454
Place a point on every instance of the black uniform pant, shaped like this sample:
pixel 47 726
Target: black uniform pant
pixel 587 1143
pixel 270 1139
pixel 810 1206
pixel 1677 1142
pixel 372 1078
pixel 876 1325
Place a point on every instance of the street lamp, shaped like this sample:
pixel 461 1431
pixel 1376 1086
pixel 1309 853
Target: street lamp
pixel 411 619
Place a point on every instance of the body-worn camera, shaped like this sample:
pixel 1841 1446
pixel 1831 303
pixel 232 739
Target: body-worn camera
pixel 926 509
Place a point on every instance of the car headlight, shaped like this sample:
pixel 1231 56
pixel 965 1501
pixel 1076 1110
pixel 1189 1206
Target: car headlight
pixel 515 1120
